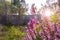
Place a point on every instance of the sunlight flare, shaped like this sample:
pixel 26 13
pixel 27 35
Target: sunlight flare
pixel 48 13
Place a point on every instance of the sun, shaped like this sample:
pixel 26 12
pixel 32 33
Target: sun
pixel 49 13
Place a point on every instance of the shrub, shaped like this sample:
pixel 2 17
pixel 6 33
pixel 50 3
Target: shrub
pixel 15 33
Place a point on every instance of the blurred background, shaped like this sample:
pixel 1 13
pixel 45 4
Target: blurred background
pixel 15 15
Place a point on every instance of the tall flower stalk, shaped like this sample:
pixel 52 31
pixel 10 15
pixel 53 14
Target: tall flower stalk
pixel 46 30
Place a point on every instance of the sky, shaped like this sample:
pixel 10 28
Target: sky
pixel 37 3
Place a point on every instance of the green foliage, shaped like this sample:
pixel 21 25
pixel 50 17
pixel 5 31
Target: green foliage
pixel 12 9
pixel 22 11
pixel 15 33
pixel 1 8
pixel 38 29
pixel 54 18
pixel 39 37
pixel 19 8
pixel 15 2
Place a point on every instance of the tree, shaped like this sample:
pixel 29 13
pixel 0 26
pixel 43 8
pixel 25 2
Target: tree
pixel 18 4
pixel 13 7
pixel 2 7
pixel 15 2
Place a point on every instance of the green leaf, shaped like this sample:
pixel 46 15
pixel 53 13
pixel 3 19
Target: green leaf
pixel 39 37
pixel 54 18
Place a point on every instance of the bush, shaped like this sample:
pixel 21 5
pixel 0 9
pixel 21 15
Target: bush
pixel 15 33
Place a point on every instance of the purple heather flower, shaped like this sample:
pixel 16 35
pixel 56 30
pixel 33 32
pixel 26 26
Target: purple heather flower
pixel 50 27
pixel 29 37
pixel 49 36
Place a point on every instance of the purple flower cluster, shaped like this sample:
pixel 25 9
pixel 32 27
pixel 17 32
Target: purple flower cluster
pixel 42 31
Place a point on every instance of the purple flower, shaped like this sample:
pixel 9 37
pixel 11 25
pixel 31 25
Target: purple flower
pixel 41 33
pixel 46 31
